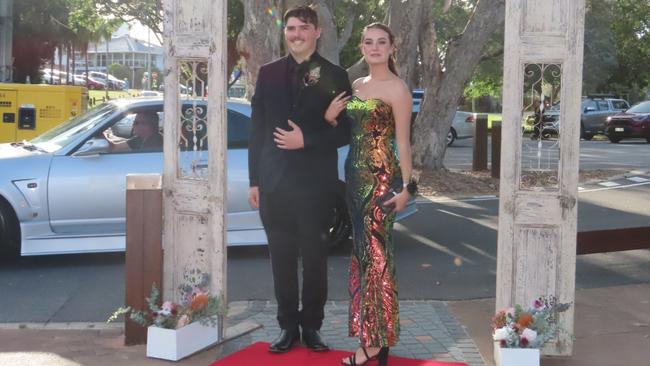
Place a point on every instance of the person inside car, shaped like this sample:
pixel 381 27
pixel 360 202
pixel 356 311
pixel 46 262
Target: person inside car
pixel 145 135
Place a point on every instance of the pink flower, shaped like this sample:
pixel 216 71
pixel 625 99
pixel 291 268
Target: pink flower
pixel 529 334
pixel 167 308
pixel 538 304
pixel 196 291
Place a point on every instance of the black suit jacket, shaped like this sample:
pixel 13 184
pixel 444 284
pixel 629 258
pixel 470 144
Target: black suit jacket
pixel 314 166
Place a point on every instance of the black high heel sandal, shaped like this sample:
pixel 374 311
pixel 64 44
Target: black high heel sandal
pixel 381 357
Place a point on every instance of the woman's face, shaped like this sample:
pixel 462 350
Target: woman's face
pixel 376 47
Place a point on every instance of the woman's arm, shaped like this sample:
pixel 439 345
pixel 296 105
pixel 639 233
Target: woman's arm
pixel 402 104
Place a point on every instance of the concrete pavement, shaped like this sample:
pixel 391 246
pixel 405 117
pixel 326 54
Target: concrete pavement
pixel 612 327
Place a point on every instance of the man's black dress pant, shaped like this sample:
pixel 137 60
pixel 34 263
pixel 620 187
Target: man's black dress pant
pixel 297 222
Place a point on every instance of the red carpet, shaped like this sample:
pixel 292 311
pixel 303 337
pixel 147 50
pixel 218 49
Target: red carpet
pixel 257 355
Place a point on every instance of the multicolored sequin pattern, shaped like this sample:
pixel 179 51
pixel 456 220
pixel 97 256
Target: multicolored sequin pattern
pixel 371 166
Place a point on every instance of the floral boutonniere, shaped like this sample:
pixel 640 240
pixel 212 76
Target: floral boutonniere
pixel 312 76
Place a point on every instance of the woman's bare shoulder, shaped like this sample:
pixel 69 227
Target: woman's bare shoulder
pixel 399 91
pixel 358 82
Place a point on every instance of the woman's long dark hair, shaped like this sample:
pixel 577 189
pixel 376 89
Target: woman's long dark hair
pixel 391 39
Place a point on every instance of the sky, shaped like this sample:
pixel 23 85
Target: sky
pixel 137 31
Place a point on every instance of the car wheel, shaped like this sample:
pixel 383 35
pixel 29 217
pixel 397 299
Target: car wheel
pixel 341 227
pixel 614 140
pixel 451 136
pixel 9 230
pixel 583 135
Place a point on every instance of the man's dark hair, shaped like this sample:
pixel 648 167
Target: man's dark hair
pixel 306 14
pixel 150 118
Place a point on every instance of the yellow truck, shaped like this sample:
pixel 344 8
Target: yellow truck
pixel 28 110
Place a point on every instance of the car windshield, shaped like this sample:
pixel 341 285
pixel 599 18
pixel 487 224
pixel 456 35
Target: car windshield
pixel 643 107
pixel 62 134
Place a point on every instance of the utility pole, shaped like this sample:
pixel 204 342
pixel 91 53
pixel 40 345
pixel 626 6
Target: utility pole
pixel 148 59
pixel 6 38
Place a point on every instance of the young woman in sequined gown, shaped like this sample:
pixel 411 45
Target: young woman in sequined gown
pixel 380 113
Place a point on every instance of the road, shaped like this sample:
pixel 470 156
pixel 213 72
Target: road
pixel 446 251
pixel 628 154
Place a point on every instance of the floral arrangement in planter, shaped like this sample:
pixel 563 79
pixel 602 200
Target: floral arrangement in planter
pixel 196 305
pixel 531 327
pixel 177 330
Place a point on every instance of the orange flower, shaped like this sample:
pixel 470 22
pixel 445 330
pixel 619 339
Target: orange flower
pixel 199 302
pixel 525 320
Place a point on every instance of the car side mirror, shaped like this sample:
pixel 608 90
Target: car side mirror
pixel 590 109
pixel 93 146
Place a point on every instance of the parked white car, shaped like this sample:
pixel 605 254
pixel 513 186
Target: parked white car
pixel 462 127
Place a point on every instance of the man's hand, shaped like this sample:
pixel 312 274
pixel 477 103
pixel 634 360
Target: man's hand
pixel 289 140
pixel 254 197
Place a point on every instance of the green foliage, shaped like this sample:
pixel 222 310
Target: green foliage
pixel 119 71
pixel 616 50
pixel 631 30
pixel 42 26
pixel 600 53
pixel 38 29
pixel 484 85
pixel 367 11
pixel 196 305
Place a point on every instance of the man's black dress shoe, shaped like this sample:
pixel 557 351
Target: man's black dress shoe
pixel 284 341
pixel 314 341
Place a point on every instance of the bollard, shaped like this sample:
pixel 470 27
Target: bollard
pixel 496 149
pixel 144 255
pixel 479 160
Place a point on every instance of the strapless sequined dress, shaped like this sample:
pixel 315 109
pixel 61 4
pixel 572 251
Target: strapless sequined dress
pixel 370 168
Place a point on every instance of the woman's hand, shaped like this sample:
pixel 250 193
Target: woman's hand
pixel 400 200
pixel 336 106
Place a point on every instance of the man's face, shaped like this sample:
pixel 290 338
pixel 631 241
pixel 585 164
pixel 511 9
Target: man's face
pixel 300 37
pixel 141 127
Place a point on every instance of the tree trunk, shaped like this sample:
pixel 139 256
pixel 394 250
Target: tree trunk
pixel 405 20
pixel 259 40
pixel 74 61
pixel 328 45
pixel 61 47
pixel 444 88
pixel 86 64
pixel 359 69
pixel 68 47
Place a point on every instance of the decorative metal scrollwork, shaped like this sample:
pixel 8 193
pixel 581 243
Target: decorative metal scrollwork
pixel 193 136
pixel 540 150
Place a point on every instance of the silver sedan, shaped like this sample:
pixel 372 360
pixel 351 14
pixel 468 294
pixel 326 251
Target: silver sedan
pixel 63 192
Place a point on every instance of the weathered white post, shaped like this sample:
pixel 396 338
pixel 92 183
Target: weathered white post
pixel 6 38
pixel 194 178
pixel 538 194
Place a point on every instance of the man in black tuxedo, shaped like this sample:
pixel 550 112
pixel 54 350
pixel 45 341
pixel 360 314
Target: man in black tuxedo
pixel 293 173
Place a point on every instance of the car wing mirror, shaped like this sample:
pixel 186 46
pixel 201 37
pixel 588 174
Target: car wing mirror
pixel 590 109
pixel 94 146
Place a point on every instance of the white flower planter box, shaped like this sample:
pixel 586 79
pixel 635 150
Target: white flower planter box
pixel 174 344
pixel 516 356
